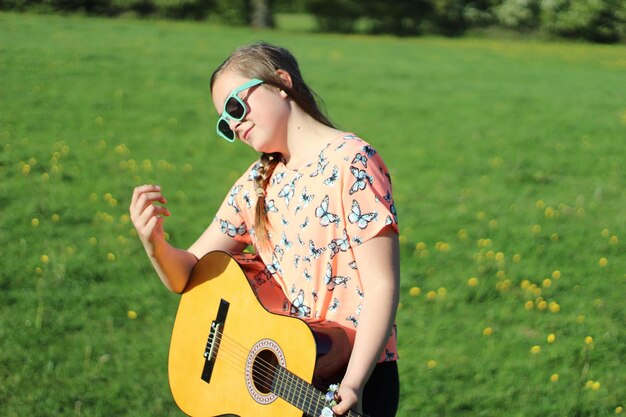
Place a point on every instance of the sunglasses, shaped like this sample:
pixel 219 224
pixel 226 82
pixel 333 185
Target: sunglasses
pixel 234 109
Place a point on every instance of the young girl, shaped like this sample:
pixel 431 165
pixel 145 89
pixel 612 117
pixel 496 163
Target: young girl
pixel 318 209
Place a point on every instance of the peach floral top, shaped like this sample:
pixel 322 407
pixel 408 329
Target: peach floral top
pixel 317 214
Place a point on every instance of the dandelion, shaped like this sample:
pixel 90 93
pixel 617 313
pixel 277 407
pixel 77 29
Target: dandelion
pixel 542 305
pixel 556 274
pixel 34 222
pixel 487 331
pixel 540 204
pixel 535 229
pixel 45 259
pixel 55 218
pixel 525 284
pixel 420 246
pixel 110 257
pixel 38 270
pixel 517 258
pixel 481 215
pixel 462 234
pixel 500 256
pixel 187 168
pixel 415 291
pixel 549 213
pixel 547 283
pixel 431 364
pixel 588 340
pixel 580 319
pixel 402 239
pixel 529 305
pixel 580 212
pixel 551 338
pixel 442 292
pixel 93 241
pixel 554 237
pixel 605 233
pixel 554 307
pixel 501 274
pixel 614 240
pixel 132 314
pixel 618 410
pixel 554 377
pixel 431 295
pixel 493 224
pixel 535 349
pixel 603 262
pixel 472 282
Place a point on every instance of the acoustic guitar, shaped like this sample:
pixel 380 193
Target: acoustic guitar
pixel 230 354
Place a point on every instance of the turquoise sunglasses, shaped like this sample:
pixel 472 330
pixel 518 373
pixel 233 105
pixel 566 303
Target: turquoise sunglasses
pixel 234 109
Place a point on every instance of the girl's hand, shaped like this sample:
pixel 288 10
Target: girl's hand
pixel 347 398
pixel 147 216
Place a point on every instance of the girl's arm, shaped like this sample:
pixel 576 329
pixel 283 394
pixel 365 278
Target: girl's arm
pixel 173 265
pixel 379 268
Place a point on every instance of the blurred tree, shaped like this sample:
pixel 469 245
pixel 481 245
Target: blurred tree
pixel 336 15
pixel 402 17
pixel 261 14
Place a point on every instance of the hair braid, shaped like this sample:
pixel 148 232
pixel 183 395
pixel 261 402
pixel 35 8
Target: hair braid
pixel 268 162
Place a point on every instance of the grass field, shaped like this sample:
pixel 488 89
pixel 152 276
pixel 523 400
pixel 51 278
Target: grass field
pixel 508 162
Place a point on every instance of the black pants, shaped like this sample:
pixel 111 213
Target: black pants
pixel 382 391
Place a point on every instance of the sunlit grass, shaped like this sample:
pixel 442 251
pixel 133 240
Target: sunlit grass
pixel 508 165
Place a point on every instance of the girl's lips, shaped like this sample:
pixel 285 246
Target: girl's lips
pixel 246 134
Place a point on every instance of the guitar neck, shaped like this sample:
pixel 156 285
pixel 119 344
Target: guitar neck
pixel 300 393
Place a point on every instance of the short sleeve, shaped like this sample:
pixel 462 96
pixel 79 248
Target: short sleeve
pixel 367 195
pixel 235 215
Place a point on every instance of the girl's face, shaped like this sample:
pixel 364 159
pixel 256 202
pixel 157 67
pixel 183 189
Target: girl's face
pixel 264 127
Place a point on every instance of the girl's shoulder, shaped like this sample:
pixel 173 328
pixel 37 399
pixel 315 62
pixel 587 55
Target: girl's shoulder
pixel 350 149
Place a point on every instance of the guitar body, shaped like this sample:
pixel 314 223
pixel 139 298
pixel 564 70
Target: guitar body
pixel 225 345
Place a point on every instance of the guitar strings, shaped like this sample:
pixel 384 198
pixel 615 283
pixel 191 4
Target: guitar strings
pixel 264 369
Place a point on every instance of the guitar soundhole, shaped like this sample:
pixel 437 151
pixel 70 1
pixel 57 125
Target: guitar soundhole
pixel 263 371
pixel 261 364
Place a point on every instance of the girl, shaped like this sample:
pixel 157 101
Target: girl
pixel 318 209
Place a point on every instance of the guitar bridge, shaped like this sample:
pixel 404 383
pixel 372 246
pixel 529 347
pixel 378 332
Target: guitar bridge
pixel 213 341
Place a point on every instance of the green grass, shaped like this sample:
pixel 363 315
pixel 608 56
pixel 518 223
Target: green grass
pixel 508 164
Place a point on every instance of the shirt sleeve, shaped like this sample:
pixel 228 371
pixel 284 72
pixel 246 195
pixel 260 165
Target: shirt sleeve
pixel 367 194
pixel 235 216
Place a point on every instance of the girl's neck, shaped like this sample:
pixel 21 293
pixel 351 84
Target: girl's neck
pixel 305 138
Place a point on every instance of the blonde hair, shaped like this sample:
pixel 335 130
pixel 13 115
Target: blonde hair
pixel 261 61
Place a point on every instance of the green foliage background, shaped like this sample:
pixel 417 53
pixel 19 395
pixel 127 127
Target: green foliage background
pixel 508 165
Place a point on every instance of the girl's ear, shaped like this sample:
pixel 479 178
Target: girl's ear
pixel 285 77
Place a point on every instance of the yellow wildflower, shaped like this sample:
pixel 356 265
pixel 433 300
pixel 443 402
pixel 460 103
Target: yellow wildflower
pixel 415 291
pixel 535 349
pixel 556 274
pixel 554 377
pixel 34 222
pixel 45 259
pixel 472 282
pixel 551 338
pixel 487 331
pixel 431 364
pixel 132 314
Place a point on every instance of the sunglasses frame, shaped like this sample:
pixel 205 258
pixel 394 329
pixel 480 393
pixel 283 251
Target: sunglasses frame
pixel 225 117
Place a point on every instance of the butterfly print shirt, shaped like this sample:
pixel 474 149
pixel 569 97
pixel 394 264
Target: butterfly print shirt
pixel 317 215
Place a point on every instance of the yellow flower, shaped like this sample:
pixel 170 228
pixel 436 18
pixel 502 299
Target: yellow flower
pixel 517 258
pixel 93 241
pixel 402 239
pixel 554 307
pixel 442 292
pixel 431 295
pixel 589 384
pixel 554 237
pixel 110 257
pixel 55 217
pixel 618 410
pixel 551 338
pixel 38 270
pixel 614 240
pixel 605 233
pixel 45 259
pixel 549 213
pixel 588 340
pixel 132 314
pixel 535 349
pixel 547 283
pixel 525 284
pixel 529 305
pixel 603 262
pixel 540 204
pixel 34 222
pixel 415 291
pixel 580 319
pixel 472 282
pixel 487 331
pixel 595 386
pixel 554 378
pixel 556 274
pixel 431 364
pixel 535 229
pixel 542 305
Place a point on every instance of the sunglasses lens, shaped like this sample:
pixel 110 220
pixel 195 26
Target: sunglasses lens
pixel 234 108
pixel 225 129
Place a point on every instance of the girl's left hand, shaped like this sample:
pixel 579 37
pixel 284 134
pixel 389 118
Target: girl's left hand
pixel 347 398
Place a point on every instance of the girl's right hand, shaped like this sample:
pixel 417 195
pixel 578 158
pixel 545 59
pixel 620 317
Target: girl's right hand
pixel 147 216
